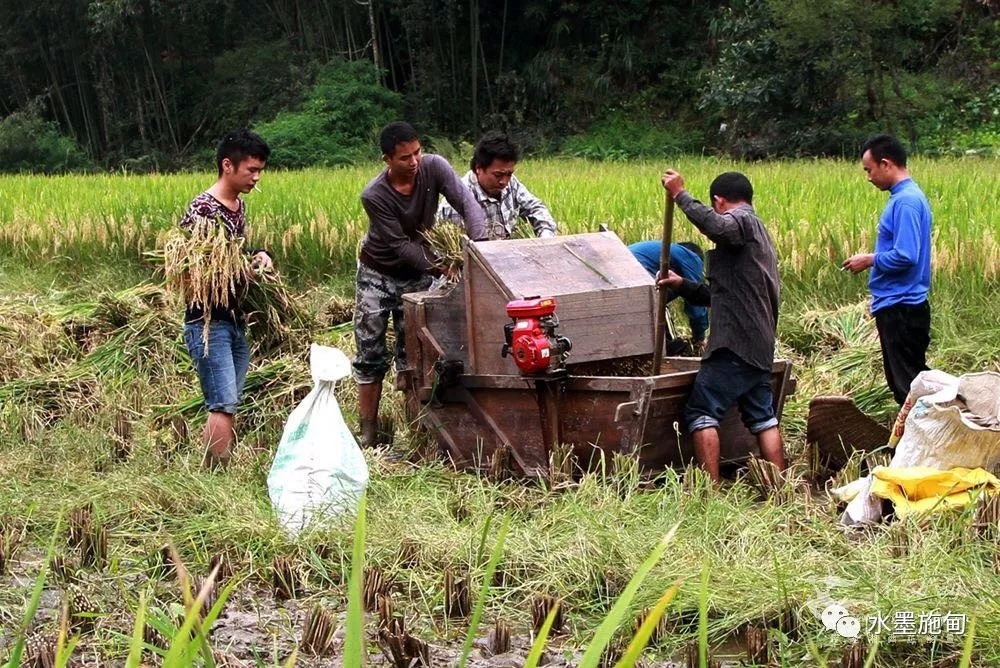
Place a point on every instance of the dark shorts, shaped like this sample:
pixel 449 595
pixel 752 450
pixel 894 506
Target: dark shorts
pixel 222 369
pixel 378 298
pixel 725 379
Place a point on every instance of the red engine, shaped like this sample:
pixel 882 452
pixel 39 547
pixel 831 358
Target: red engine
pixel 531 338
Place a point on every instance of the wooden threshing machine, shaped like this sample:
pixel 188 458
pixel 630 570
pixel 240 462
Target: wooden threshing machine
pixel 575 377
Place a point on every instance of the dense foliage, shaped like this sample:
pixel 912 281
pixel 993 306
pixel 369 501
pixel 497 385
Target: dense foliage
pixel 149 84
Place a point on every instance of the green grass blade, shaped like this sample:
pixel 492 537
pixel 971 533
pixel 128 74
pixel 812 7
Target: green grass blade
pixel 592 657
pixel 535 655
pixel 491 567
pixel 203 626
pixel 641 637
pixel 183 647
pixel 966 660
pixel 872 653
pixel 482 539
pixel 34 601
pixel 354 640
pixel 703 617
pixel 135 646
pixel 814 652
pixel 65 652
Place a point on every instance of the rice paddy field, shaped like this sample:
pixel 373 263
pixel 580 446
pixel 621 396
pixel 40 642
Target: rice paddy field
pixel 100 463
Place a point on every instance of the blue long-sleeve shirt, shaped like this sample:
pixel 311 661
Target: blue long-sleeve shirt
pixel 683 261
pixel 901 273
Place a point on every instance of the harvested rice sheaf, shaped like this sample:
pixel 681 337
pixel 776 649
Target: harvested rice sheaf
pixel 446 241
pixel 208 269
pixel 317 632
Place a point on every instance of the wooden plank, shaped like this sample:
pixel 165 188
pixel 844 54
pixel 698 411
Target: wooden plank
pixel 580 262
pixel 476 410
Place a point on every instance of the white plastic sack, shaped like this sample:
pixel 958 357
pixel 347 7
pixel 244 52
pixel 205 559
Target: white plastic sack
pixel 948 422
pixel 318 469
pixel 946 429
pixel 863 508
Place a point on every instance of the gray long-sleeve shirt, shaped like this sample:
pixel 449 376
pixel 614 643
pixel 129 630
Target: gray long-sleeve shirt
pixel 743 281
pixel 394 244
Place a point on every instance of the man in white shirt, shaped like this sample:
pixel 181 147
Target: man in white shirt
pixel 503 198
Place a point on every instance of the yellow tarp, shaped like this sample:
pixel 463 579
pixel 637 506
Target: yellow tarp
pixel 918 489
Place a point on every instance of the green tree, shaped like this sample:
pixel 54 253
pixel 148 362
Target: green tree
pixel 339 121
pixel 30 144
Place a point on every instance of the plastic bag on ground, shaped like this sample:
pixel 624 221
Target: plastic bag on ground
pixel 318 470
pixel 955 426
pixel 948 423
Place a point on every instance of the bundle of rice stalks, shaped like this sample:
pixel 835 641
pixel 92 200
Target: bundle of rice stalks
pixel 562 461
pixel 200 583
pixel 660 631
pixel 613 652
pixel 9 539
pixel 769 481
pixel 409 552
pixel 51 396
pixel 171 434
pixel 90 323
pixel 758 646
pixel 63 568
pixel 985 518
pixel 31 341
pixel 845 326
pixel 404 650
pixel 82 610
pixel 161 564
pixel 79 523
pixel 274 315
pixel 854 654
pixel 224 565
pixel 317 632
pixel 284 579
pixel 206 268
pixel 899 540
pixel 498 640
pixel 457 601
pixel 147 346
pixel 269 393
pixel 374 585
pixel 692 657
pixel 388 620
pixel 447 241
pixel 500 463
pixel 94 547
pixel 541 606
pixel 152 637
pixel 121 437
pixel 40 651
pixel 337 311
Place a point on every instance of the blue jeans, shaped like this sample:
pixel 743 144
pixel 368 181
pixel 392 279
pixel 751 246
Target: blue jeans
pixel 222 369
pixel 725 379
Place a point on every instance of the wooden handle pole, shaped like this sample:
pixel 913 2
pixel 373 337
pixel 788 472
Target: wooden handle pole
pixel 661 294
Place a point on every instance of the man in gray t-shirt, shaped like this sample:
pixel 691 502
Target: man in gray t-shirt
pixel 395 258
pixel 743 290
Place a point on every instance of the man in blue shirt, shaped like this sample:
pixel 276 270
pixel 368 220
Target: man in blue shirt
pixel 687 260
pixel 901 265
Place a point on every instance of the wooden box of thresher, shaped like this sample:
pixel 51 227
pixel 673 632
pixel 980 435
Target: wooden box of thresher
pixel 489 365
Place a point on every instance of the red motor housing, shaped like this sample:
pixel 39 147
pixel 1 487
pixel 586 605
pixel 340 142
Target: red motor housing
pixel 531 337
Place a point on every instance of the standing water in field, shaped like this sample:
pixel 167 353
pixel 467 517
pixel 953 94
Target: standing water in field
pixel 318 470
